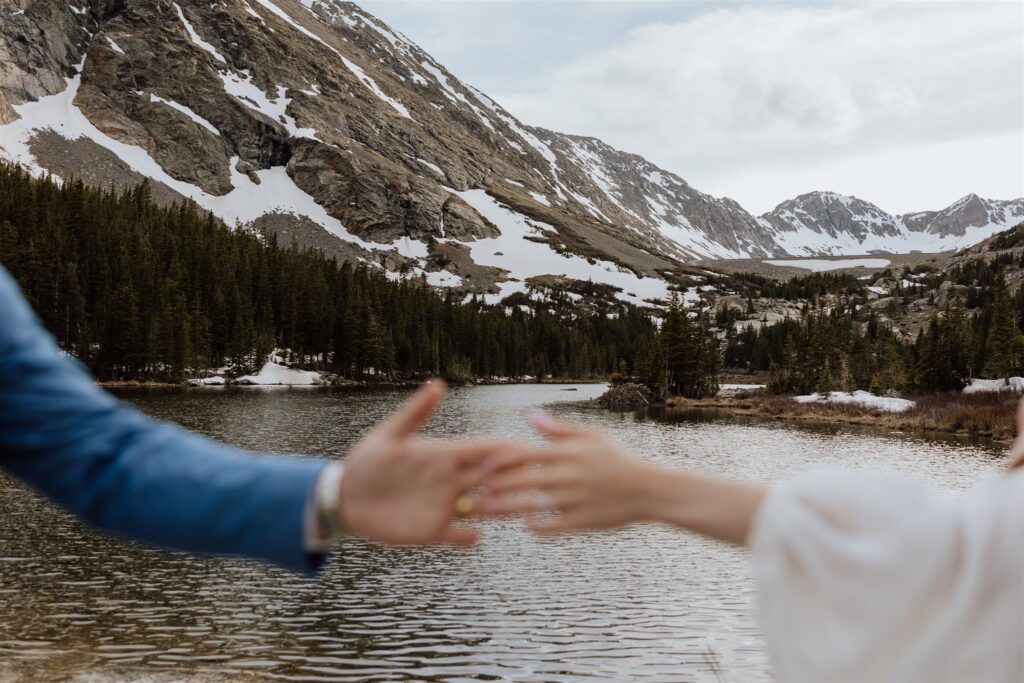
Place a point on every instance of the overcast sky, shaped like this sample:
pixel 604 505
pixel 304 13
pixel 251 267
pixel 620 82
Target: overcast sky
pixel 907 104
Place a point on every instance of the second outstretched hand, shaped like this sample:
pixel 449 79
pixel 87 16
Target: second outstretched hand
pixel 588 481
pixel 400 489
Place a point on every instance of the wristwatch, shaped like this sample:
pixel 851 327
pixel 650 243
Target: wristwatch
pixel 327 504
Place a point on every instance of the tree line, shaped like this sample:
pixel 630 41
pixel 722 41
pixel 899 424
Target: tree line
pixel 839 348
pixel 141 291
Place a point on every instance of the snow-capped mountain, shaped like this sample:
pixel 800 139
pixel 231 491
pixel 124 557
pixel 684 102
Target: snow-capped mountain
pixel 313 120
pixel 965 222
pixel 827 223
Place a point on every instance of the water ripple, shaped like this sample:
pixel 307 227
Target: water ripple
pixel 643 603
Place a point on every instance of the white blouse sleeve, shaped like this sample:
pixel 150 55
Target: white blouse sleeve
pixel 882 579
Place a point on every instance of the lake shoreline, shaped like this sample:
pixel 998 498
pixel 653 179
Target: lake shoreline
pixel 985 416
pixel 820 414
pixel 347 384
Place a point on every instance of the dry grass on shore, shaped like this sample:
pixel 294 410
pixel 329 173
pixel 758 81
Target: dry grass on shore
pixel 989 413
pixel 984 414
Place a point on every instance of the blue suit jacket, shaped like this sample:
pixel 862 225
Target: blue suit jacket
pixel 132 475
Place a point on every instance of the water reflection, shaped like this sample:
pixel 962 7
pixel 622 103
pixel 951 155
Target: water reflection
pixel 643 603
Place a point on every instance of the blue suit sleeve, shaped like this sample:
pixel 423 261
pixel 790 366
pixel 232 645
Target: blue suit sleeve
pixel 131 475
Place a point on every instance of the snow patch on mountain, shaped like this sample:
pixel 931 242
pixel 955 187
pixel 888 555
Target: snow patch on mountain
pixel 539 198
pixel 452 94
pixel 356 70
pixel 241 87
pixel 186 111
pixel 595 168
pixel 527 137
pixel 523 258
pixel 197 39
pixel 443 278
pixel 276 192
pixel 433 167
pixel 365 79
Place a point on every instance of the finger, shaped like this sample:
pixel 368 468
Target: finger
pixel 463 457
pixel 416 411
pixel 472 452
pixel 472 477
pixel 548 501
pixel 524 478
pixel 570 520
pixel 458 535
pixel 552 428
pixel 502 506
pixel 517 455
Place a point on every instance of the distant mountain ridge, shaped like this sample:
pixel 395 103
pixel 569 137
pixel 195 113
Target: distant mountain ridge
pixel 314 120
pixel 827 223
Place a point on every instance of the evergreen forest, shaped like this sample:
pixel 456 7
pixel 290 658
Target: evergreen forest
pixel 139 291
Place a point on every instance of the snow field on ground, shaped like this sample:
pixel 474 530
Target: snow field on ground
pixel 981 385
pixel 860 397
pixel 215 381
pixel 819 265
pixel 272 374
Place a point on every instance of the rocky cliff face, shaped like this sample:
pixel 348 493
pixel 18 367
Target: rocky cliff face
pixel 314 120
pixel 39 44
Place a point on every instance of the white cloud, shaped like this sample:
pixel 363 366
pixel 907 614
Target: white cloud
pixel 789 93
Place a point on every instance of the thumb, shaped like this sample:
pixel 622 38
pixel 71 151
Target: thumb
pixel 552 428
pixel 415 412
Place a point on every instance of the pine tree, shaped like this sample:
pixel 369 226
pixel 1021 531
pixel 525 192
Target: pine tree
pixel 826 385
pixel 1003 346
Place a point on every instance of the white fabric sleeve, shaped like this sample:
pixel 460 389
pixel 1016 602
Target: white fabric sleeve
pixel 864 579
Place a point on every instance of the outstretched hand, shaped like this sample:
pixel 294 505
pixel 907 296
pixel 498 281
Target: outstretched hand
pixel 400 489
pixel 585 480
pixel 584 476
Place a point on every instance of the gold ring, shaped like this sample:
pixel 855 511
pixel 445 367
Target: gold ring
pixel 465 505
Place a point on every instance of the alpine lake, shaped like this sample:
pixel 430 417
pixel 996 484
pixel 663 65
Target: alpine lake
pixel 646 603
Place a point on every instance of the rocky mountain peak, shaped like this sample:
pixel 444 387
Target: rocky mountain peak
pixel 819 223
